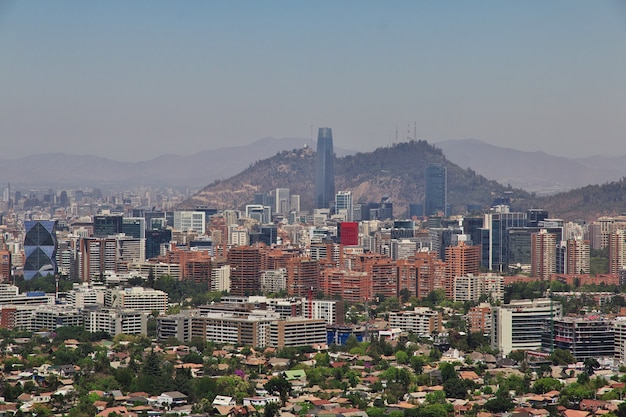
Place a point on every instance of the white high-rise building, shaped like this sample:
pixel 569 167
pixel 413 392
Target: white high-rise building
pixel 343 205
pixel 282 200
pixel 259 212
pixel 220 278
pixel 520 324
pixel 190 221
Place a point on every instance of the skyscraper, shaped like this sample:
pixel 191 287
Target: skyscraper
pixel 40 248
pixel 325 174
pixel 435 190
pixel 343 204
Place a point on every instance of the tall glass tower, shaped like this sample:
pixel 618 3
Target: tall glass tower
pixel 40 249
pixel 436 186
pixel 325 174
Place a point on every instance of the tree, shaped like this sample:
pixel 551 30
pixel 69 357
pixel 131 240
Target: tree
pixel 402 357
pixel 431 410
pixel 591 364
pixel 562 357
pixel 271 409
pixel 543 385
pixel 455 388
pixel 279 386
pixel 417 363
pixel 447 371
pixel 517 355
pixel 499 404
pixel 351 342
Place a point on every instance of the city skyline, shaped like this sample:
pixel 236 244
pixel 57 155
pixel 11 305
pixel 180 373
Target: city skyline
pixel 131 81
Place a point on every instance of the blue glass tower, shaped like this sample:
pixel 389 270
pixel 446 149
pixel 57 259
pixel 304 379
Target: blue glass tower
pixel 436 185
pixel 40 249
pixel 325 173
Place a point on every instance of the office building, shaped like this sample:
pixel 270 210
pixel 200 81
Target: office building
pixel 260 213
pixel 40 249
pixel 282 201
pixel 134 227
pixel 435 190
pixel 190 221
pixel 584 337
pixel 348 233
pixel 325 172
pixel 385 209
pixel 343 205
pixel 520 324
pixel 107 225
pixel 493 236
pixel 154 241
pixel 536 216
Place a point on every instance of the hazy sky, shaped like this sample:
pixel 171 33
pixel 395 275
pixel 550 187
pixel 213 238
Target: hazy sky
pixel 131 80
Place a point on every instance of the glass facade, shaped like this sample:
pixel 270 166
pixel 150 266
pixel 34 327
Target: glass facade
pixel 104 226
pixel 325 173
pixel 40 249
pixel 435 190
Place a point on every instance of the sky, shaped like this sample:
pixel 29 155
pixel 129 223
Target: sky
pixel 131 80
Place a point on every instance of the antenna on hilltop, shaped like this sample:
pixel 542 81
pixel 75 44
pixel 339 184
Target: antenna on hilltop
pixel 414 130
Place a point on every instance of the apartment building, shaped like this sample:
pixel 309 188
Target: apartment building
pixel 137 298
pixel 115 321
pixel 421 321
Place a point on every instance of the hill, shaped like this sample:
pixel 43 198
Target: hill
pixel 396 171
pixel 587 203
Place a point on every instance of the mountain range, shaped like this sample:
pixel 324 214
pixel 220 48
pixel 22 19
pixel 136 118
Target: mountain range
pixel 536 172
pixel 193 171
pixel 578 188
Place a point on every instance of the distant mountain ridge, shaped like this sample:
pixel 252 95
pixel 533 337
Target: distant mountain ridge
pixel 476 172
pixel 60 169
pixel 532 171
